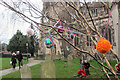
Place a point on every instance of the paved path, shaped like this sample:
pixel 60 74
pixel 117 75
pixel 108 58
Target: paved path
pixel 31 63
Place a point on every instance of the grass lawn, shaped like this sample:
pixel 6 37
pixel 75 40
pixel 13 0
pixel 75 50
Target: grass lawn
pixel 6 63
pixel 63 71
pixel 39 58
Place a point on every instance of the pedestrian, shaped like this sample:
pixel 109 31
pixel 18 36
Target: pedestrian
pixel 19 57
pixel 13 59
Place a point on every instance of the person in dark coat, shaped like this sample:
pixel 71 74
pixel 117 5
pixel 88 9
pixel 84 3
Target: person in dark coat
pixel 19 57
pixel 13 59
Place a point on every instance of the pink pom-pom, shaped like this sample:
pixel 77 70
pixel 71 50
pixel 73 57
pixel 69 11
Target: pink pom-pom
pixel 30 31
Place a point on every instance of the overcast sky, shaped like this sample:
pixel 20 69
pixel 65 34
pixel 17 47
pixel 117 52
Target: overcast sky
pixel 8 24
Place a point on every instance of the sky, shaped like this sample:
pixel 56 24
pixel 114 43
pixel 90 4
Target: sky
pixel 10 22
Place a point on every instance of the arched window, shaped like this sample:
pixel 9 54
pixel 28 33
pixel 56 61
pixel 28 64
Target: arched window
pixel 110 36
pixel 92 12
pixel 87 41
pixel 104 34
pixel 107 11
pixel 96 13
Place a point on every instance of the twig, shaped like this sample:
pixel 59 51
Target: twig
pixel 90 15
pixel 96 68
pixel 113 52
pixel 110 67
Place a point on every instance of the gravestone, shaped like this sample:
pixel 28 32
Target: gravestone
pixel 70 58
pixel 48 70
pixel 62 57
pixel 53 57
pixel 59 56
pixel 25 72
pixel 48 57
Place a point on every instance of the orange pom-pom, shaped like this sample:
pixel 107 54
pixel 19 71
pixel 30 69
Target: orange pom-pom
pixel 103 45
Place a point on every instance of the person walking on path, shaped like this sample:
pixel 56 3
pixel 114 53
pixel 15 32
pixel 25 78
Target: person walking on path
pixel 19 57
pixel 13 59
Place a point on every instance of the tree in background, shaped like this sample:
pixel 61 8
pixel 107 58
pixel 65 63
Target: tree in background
pixel 18 42
pixel 33 42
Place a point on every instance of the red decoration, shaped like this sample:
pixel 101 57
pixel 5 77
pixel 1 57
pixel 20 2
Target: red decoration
pixel 94 47
pixel 103 45
pixel 81 73
pixel 117 67
pixel 72 33
pixel 60 29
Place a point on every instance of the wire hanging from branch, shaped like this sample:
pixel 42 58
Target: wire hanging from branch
pixel 108 21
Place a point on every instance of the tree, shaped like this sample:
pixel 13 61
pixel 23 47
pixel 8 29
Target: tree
pixel 79 18
pixel 18 43
pixel 33 42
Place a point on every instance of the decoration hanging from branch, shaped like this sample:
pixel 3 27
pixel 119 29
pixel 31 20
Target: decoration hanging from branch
pixel 30 31
pixel 81 73
pixel 117 67
pixel 103 45
pixel 72 35
pixel 48 43
pixel 94 47
pixel 60 29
